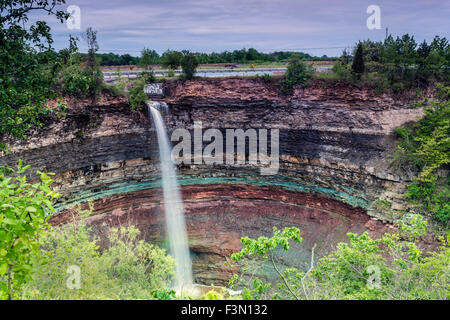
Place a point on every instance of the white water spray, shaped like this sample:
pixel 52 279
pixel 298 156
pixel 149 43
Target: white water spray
pixel 173 205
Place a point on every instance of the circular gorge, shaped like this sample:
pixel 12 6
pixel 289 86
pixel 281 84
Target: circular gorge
pixel 334 142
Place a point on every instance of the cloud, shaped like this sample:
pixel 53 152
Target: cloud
pixel 216 25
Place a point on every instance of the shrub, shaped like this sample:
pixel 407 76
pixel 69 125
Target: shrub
pixel 267 78
pixel 390 267
pixel 298 72
pixel 342 71
pixel 76 82
pixel 128 269
pixel 189 64
pixel 116 90
pixel 24 211
pixel 136 95
pixel 424 146
pixel 358 62
pixel 171 59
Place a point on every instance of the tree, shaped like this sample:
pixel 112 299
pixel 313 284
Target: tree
pixel 358 62
pixel 24 211
pixel 425 146
pixel 91 39
pixel 92 66
pixel 148 57
pixel 390 267
pixel 28 65
pixel 298 72
pixel 171 59
pixel 264 248
pixel 189 65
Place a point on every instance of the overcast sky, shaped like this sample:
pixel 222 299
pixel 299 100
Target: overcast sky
pixel 317 27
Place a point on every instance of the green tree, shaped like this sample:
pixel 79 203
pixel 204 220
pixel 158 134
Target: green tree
pixel 189 65
pixel 24 211
pixel 358 62
pixel 390 267
pixel 264 248
pixel 128 268
pixel 298 72
pixel 171 59
pixel 92 65
pixel 425 146
pixel 148 57
pixel 28 65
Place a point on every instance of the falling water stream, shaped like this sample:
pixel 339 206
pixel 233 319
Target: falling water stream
pixel 173 205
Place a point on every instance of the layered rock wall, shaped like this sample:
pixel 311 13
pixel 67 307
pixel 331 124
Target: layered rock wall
pixel 335 143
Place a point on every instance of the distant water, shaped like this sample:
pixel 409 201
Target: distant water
pixel 173 205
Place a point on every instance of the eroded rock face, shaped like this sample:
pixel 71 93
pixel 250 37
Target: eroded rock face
pixel 218 215
pixel 334 142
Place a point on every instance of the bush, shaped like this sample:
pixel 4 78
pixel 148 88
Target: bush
pixel 24 211
pixel 358 62
pixel 136 95
pixel 298 72
pixel 391 267
pixel 77 82
pixel 128 269
pixel 116 90
pixel 267 78
pixel 171 59
pixel 189 65
pixel 342 71
pixel 424 147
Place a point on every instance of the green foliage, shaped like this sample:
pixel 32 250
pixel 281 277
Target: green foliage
pixel 80 78
pixel 138 266
pixel 236 56
pixel 400 63
pixel 117 89
pixel 358 62
pixel 63 247
pixel 262 248
pixel 391 267
pixel 136 94
pixel 24 210
pixel 212 295
pixel 267 78
pixel 425 146
pixel 128 268
pixel 171 59
pixel 164 294
pixel 148 57
pixel 189 65
pixel 297 72
pixel 28 65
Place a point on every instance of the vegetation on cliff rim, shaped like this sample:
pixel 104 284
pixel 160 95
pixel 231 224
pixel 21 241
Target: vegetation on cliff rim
pixel 395 64
pixel 31 72
pixel 28 66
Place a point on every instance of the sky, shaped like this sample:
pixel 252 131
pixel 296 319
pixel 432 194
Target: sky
pixel 317 27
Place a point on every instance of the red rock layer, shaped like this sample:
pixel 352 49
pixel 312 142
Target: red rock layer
pixel 218 215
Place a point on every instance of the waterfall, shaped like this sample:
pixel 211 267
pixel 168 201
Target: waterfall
pixel 173 206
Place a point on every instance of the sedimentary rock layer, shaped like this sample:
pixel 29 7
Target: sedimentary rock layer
pixel 334 145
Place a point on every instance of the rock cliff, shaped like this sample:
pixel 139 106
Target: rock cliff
pixel 335 142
